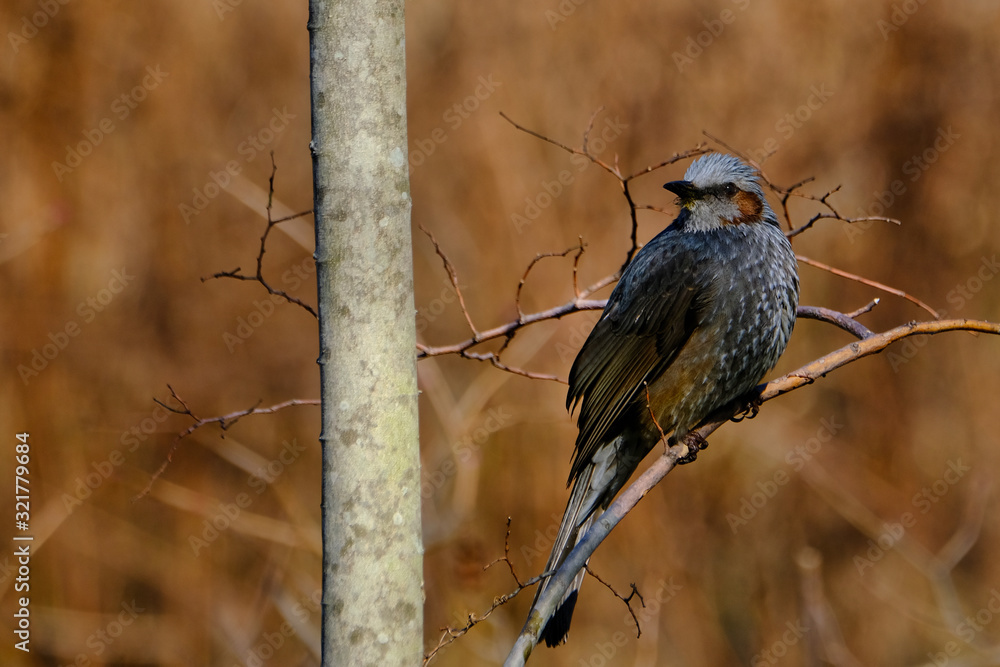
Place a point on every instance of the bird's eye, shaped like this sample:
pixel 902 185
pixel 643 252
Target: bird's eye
pixel 730 189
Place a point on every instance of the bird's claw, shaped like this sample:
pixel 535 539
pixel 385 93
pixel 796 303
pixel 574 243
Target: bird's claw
pixel 749 408
pixel 695 443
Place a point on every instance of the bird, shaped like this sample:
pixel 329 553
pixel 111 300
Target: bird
pixel 699 316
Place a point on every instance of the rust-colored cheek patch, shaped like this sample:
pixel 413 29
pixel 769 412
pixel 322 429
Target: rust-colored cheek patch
pixel 750 207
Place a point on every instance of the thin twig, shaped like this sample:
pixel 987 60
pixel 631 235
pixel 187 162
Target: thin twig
pixel 494 358
pixel 733 150
pixel 634 217
pixel 538 257
pixel 787 193
pixel 224 422
pixel 845 322
pixel 576 268
pixel 656 423
pixel 450 634
pixel 699 149
pixel 612 169
pixel 453 276
pixel 572 306
pixel 834 214
pixel 867 281
pixel 867 308
pixel 627 600
pixel 506 556
pixel 258 276
pixel 590 128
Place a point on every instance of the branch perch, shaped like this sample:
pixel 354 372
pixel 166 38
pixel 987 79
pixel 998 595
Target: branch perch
pixel 623 504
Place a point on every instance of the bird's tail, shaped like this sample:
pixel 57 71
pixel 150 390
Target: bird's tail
pixel 595 485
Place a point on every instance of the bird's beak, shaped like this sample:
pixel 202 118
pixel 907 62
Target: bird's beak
pixel 685 190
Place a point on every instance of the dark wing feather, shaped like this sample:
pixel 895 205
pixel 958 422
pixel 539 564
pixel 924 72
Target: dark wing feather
pixel 649 316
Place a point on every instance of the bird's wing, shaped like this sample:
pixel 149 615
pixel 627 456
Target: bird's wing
pixel 650 315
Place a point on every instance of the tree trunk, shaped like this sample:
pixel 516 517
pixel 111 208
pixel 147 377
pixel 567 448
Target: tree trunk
pixel 372 564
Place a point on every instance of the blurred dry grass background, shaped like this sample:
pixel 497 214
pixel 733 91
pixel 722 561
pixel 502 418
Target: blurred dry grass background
pixel 116 582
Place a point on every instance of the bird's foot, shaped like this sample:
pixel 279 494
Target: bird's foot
pixel 695 443
pixel 749 408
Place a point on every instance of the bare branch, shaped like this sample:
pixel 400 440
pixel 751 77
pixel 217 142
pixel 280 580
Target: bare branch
pixel 834 214
pixel 845 322
pixel 224 422
pixel 787 193
pixel 627 600
pixel 453 276
pixel 494 358
pixel 650 207
pixel 634 216
pixel 867 308
pixel 258 276
pixel 566 148
pixel 590 128
pixel 837 216
pixel 450 634
pixel 734 150
pixel 572 306
pixel 540 256
pixel 624 181
pixel 576 268
pixel 867 281
pixel 652 415
pixel 506 556
pixel 699 149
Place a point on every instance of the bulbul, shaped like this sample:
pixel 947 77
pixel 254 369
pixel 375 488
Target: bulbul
pixel 700 314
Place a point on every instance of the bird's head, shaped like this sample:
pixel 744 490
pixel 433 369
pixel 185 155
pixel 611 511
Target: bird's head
pixel 720 190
